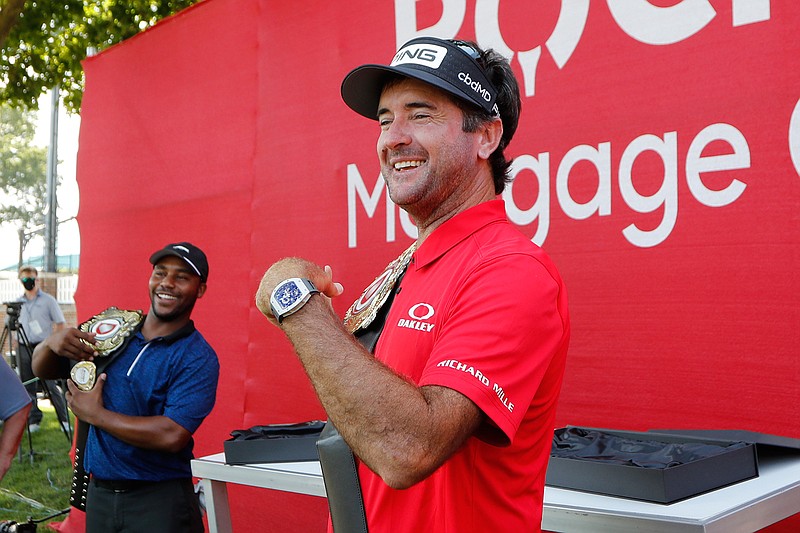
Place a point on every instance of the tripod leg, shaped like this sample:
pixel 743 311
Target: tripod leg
pixel 58 398
pixel 30 445
pixel 26 375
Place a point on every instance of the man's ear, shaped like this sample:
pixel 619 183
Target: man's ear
pixel 201 289
pixel 491 133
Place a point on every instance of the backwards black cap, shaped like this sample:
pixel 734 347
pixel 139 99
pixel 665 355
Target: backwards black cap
pixel 449 65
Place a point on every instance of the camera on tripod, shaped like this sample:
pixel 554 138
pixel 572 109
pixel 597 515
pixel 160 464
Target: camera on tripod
pixel 13 310
pixel 10 526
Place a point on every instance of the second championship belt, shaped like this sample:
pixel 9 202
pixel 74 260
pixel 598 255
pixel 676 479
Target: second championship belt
pixel 113 328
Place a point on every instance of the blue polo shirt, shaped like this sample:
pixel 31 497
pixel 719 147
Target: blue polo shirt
pixel 174 376
pixel 14 396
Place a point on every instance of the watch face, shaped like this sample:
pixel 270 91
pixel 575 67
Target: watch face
pixel 287 294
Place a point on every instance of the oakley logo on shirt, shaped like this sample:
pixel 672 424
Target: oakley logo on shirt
pixel 419 313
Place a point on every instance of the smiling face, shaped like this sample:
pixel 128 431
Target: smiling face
pixel 430 165
pixel 174 289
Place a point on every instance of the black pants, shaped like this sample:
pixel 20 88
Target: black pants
pixel 157 507
pixel 53 387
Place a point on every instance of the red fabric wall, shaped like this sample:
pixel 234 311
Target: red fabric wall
pixel 223 125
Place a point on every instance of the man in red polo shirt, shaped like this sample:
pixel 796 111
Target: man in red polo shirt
pixel 451 420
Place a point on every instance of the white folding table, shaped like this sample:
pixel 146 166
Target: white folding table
pixel 744 507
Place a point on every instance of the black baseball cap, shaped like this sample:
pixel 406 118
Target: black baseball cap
pixel 191 254
pixel 450 65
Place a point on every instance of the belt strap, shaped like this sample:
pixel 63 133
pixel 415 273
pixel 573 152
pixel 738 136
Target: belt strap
pixel 80 478
pixel 339 469
pixel 127 485
pixel 340 474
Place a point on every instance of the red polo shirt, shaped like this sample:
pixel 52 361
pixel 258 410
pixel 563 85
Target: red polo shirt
pixel 481 310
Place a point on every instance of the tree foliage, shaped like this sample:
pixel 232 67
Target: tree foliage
pixel 45 44
pixel 23 170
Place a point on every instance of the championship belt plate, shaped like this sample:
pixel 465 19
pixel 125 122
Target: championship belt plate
pixel 111 328
pixel 366 307
pixel 84 374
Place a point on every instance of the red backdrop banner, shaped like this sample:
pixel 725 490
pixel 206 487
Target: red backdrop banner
pixel 657 161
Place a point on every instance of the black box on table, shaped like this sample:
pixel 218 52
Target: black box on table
pixel 711 463
pixel 275 443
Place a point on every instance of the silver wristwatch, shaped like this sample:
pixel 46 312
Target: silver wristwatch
pixel 289 296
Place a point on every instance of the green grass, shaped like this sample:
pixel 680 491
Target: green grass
pixel 38 485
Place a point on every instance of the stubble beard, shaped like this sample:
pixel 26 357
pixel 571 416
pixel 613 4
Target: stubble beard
pixel 172 315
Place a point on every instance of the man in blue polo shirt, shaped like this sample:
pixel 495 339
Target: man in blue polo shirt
pixel 145 405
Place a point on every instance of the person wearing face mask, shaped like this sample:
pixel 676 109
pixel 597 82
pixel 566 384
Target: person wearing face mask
pixel 39 317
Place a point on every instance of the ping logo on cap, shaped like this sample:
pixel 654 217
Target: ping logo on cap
pixel 427 55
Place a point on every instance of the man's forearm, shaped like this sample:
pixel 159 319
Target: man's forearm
pixel 402 432
pixel 396 428
pixel 10 437
pixel 150 432
pixel 45 362
pixel 50 355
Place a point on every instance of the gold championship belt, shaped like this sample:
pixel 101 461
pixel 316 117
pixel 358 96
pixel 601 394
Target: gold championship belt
pixel 111 328
pixel 366 307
